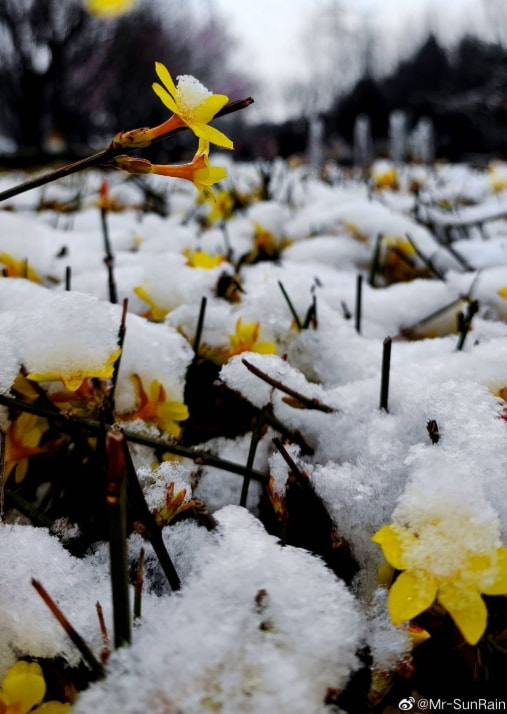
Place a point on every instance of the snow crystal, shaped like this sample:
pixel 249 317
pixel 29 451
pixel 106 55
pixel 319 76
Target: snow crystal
pixel 258 628
pixel 191 93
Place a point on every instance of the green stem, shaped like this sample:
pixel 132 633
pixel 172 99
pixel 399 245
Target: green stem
pixel 359 303
pixel 200 325
pixel 197 456
pixel 145 516
pixel 104 156
pixel 384 379
pixel 291 306
pixel 116 499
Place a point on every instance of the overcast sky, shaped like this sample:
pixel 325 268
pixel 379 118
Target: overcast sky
pixel 270 31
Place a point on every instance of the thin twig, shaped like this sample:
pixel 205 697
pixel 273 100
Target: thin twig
pixel 122 331
pixel 116 499
pixel 375 261
pixel 145 516
pixel 138 585
pixel 104 156
pixel 108 257
pixel 384 379
pixel 106 647
pixel 359 303
pixel 73 421
pixel 200 325
pixel 427 261
pixel 87 654
pixel 308 402
pixel 465 322
pixel 291 306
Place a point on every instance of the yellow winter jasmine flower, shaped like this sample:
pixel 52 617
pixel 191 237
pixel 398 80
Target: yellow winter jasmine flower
pixel 386 177
pixel 109 8
pixel 21 442
pixel 74 376
pixel 438 566
pixel 16 268
pixel 156 408
pixel 198 171
pixel 23 688
pixel 155 312
pixel 193 106
pixel 245 340
pixel 201 259
pixel 223 207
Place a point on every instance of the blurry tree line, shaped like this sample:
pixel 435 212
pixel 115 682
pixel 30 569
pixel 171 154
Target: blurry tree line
pixel 67 73
pixel 462 90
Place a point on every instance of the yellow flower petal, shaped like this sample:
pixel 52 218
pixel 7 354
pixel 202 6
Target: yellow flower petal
pixel 52 708
pixel 392 544
pixel 466 607
pixel 24 686
pixel 165 97
pixel 265 348
pixel 205 112
pixel 213 135
pixel 413 592
pixel 165 77
pixel 499 584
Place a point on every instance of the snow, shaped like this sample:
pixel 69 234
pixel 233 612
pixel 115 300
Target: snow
pixel 258 626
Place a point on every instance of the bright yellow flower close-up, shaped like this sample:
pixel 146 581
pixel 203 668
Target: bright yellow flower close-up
pixel 245 339
pixel 192 105
pixel 154 407
pixel 437 567
pixel 23 688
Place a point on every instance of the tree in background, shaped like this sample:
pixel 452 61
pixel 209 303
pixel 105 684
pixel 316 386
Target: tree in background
pixel 85 78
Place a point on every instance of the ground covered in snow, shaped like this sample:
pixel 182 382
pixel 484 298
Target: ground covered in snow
pixel 292 398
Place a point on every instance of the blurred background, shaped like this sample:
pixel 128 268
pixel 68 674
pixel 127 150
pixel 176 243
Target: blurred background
pixel 71 78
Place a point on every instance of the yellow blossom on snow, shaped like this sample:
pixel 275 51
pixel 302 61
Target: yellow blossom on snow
pixel 73 376
pixel 23 688
pixel 193 106
pixel 155 312
pixel 16 268
pixel 154 407
pixel 201 259
pixel 436 565
pixel 245 339
pixel 385 177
